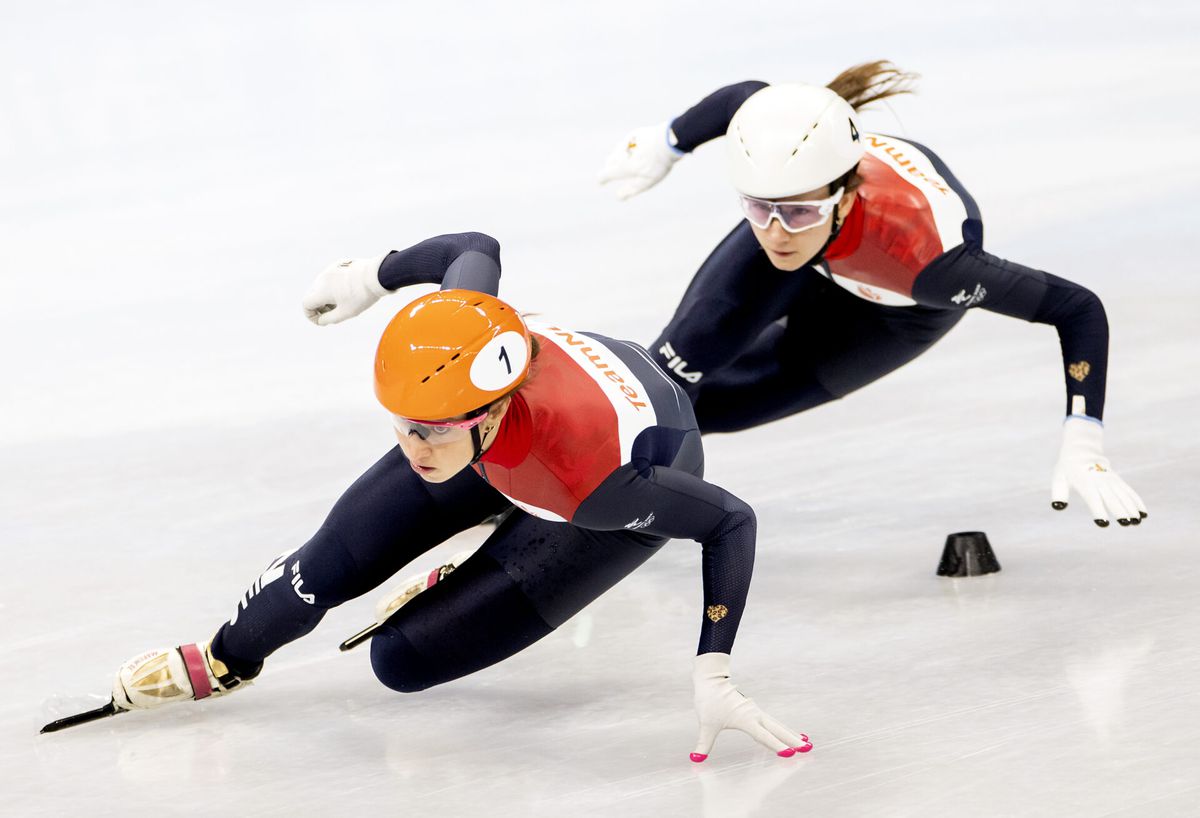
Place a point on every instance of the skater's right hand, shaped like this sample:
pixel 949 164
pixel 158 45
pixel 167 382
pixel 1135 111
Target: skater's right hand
pixel 640 161
pixel 720 707
pixel 343 290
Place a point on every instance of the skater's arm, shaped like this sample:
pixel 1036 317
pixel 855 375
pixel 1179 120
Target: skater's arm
pixel 667 502
pixel 644 157
pixel 468 261
pixel 709 118
pixel 968 276
pixel 671 502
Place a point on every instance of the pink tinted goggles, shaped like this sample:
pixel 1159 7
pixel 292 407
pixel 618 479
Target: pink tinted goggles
pixel 437 432
pixel 794 217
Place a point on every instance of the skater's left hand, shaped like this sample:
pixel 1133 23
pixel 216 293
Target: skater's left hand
pixel 1083 467
pixel 720 706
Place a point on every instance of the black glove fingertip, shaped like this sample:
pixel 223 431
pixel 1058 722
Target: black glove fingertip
pixel 1102 523
pixel 1057 505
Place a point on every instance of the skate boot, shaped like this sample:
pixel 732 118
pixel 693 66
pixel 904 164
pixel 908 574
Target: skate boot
pixel 158 677
pixel 401 595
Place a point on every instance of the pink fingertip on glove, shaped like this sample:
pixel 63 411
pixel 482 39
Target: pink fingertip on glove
pixel 805 747
pixel 787 752
pixel 697 757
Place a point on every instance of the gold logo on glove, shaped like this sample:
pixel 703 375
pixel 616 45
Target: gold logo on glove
pixel 1080 370
pixel 1097 467
pixel 717 612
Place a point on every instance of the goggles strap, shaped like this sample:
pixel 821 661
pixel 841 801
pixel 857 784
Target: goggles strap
pixel 478 441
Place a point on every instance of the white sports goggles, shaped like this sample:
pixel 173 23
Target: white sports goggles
pixel 794 217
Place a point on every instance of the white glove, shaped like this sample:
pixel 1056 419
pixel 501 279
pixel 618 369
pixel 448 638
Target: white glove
pixel 1082 466
pixel 641 161
pixel 720 706
pixel 343 290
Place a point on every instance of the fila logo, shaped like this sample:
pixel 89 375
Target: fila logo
pixel 273 572
pixel 677 364
pixel 964 300
pixel 640 523
pixel 297 582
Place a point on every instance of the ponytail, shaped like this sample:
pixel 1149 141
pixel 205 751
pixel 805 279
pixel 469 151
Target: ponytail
pixel 870 82
pixel 860 85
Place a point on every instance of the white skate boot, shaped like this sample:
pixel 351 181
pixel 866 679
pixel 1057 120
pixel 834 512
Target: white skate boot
pixel 404 593
pixel 409 588
pixel 158 677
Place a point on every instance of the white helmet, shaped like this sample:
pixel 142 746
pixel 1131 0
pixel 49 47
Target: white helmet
pixel 791 138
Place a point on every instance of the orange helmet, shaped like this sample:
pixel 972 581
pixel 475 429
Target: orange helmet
pixel 450 353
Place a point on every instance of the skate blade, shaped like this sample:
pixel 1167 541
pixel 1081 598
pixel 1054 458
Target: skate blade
pixel 107 710
pixel 360 637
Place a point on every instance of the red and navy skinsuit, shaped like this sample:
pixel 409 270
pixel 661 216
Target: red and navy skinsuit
pixel 751 343
pixel 599 461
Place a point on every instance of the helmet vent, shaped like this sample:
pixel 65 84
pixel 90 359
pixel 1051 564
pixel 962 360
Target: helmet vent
pixel 454 357
pixel 742 142
pixel 425 379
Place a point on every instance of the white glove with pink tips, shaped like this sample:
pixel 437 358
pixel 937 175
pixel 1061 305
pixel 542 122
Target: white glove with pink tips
pixel 721 706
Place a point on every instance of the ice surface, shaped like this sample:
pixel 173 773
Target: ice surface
pixel 173 180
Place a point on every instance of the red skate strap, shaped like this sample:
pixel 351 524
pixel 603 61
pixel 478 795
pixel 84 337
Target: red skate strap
pixel 197 673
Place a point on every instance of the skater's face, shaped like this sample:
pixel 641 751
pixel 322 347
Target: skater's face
pixel 791 251
pixel 437 462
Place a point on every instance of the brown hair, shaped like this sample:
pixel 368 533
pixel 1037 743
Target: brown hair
pixel 860 85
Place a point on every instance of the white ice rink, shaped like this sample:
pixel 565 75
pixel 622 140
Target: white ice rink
pixel 172 179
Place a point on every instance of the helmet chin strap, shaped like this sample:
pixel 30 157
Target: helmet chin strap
pixel 835 229
pixel 833 234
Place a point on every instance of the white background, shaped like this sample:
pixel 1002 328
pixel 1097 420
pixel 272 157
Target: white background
pixel 171 179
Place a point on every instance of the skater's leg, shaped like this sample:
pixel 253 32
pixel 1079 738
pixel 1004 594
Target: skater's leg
pixel 388 517
pixel 529 578
pixel 831 344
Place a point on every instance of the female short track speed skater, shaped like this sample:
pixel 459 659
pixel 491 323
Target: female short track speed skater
pixel 857 253
pixel 590 446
